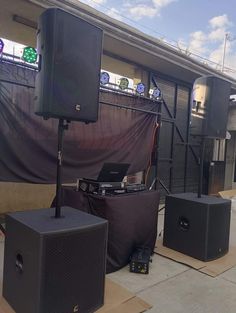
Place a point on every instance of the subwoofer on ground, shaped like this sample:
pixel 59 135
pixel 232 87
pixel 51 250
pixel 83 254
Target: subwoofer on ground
pixel 67 84
pixel 198 227
pixel 54 265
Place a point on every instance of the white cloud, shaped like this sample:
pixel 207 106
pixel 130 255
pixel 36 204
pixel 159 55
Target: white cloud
pixel 162 3
pixel 135 9
pixel 220 21
pixel 98 1
pixel 114 13
pixel 210 44
pixel 219 25
pixel 142 10
pixel 217 54
pixel 138 9
pixel 198 41
pixel 217 34
pixel 93 3
pixel 231 59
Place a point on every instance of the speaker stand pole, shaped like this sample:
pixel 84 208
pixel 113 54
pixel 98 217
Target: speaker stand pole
pixel 200 177
pixel 61 128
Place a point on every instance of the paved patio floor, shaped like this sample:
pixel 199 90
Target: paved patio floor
pixel 171 287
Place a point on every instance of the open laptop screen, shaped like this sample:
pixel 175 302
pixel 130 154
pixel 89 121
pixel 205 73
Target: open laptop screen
pixel 113 172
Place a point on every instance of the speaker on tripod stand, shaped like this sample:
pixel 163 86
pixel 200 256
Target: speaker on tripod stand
pixel 197 225
pixel 210 107
pixel 55 263
pixel 67 84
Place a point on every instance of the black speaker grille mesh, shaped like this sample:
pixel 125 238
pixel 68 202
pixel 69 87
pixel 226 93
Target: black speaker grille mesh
pixel 71 259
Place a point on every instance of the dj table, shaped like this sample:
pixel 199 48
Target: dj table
pixel 132 220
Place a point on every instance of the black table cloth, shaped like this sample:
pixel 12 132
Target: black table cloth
pixel 132 220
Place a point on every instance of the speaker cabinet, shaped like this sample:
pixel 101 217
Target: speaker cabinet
pixel 198 227
pixel 54 265
pixel 67 84
pixel 210 105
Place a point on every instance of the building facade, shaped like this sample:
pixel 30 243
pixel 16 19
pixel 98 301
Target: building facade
pixel 132 54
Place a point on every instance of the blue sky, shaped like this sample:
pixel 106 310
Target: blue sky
pixel 195 27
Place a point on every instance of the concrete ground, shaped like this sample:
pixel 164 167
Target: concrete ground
pixel 171 287
pixel 175 288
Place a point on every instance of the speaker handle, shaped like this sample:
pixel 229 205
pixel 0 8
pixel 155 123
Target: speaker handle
pixel 19 263
pixel 183 223
pixel 39 62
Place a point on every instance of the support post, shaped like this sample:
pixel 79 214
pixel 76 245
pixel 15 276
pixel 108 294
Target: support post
pixel 157 141
pixel 61 128
pixel 201 163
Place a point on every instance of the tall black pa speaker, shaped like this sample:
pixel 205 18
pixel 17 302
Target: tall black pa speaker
pixel 198 227
pixel 67 84
pixel 54 265
pixel 210 105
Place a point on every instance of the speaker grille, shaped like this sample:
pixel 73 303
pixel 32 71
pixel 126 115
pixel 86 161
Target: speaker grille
pixel 198 227
pixel 63 261
pixel 210 107
pixel 67 265
pixel 67 84
pixel 218 231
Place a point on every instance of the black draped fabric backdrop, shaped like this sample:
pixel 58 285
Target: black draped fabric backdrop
pixel 132 220
pixel 28 143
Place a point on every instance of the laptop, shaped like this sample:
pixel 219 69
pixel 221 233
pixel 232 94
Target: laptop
pixel 113 172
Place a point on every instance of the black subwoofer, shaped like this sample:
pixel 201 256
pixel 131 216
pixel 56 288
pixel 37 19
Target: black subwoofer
pixel 54 265
pixel 198 227
pixel 67 83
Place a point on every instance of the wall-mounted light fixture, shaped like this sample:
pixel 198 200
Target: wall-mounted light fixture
pixel 104 78
pixel 140 88
pixel 29 55
pixel 1 45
